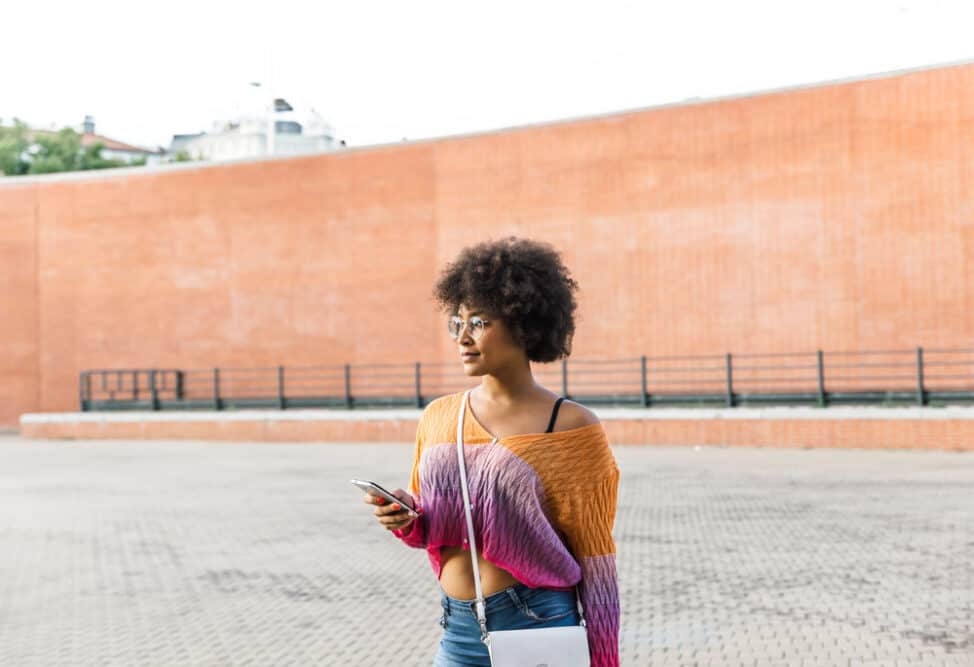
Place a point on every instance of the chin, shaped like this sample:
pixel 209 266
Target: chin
pixel 473 369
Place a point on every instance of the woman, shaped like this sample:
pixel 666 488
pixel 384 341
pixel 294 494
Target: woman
pixel 544 498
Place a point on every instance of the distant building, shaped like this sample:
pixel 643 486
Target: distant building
pixel 295 133
pixel 112 149
pixel 117 150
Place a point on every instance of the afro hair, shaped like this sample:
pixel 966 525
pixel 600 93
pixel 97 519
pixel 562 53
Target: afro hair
pixel 521 282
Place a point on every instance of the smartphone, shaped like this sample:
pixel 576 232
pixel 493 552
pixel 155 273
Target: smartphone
pixel 376 490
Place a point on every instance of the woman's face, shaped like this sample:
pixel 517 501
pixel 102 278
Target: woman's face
pixel 493 350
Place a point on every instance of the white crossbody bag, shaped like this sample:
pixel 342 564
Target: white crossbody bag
pixel 565 646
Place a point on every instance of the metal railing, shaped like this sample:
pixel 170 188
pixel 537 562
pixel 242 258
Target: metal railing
pixel 888 377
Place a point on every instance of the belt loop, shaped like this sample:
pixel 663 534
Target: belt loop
pixel 515 598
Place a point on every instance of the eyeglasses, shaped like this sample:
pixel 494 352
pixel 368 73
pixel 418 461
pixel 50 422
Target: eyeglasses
pixel 456 326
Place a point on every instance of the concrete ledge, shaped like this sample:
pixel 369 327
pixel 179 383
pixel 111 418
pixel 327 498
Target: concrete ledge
pixel 605 414
pixel 947 428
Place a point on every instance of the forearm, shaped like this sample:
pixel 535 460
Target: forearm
pixel 599 595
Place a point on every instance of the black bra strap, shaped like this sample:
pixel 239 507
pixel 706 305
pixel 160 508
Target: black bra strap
pixel 554 414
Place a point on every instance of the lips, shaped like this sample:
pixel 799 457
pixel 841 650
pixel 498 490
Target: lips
pixel 469 355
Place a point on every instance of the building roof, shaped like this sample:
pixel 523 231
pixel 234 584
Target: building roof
pixel 88 139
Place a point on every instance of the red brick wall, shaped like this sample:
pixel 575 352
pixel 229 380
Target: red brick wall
pixel 20 380
pixel 838 217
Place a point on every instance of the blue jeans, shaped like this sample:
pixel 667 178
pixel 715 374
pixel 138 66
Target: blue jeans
pixel 514 608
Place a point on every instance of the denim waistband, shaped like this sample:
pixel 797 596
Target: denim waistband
pixel 512 596
pixel 502 598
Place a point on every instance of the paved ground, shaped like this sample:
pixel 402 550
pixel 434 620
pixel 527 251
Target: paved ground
pixel 189 553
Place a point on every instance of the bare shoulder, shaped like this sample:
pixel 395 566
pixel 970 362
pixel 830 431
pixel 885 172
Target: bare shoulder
pixel 575 416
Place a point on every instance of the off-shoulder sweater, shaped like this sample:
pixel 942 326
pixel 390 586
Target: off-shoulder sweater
pixel 543 509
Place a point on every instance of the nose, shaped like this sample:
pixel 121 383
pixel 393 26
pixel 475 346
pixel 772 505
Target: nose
pixel 465 339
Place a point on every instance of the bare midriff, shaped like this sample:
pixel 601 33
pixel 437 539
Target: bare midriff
pixel 456 574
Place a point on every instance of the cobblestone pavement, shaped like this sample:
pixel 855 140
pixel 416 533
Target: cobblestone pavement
pixel 192 553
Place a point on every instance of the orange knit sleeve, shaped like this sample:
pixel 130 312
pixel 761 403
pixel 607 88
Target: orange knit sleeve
pixel 417 454
pixel 584 504
pixel 414 534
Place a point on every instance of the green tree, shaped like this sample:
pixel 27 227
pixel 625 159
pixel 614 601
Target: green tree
pixel 55 152
pixel 46 153
pixel 13 149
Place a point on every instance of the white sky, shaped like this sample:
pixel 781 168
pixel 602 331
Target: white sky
pixel 381 71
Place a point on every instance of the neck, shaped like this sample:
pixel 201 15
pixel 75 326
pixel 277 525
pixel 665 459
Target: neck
pixel 509 385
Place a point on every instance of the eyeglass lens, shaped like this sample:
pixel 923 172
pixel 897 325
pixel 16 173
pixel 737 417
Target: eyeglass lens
pixel 456 326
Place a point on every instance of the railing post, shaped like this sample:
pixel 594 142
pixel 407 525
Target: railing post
pixel 82 381
pixel 564 378
pixel 179 385
pixel 730 382
pixel 135 385
pixel 645 395
pixel 921 394
pixel 217 402
pixel 348 386
pixel 419 389
pixel 152 389
pixel 281 404
pixel 821 380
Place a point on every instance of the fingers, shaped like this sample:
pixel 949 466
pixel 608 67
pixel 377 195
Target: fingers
pixel 409 500
pixel 393 516
pixel 396 521
pixel 394 511
pixel 389 514
pixel 386 505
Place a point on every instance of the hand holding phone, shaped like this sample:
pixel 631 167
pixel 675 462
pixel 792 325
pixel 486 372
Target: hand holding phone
pixel 394 511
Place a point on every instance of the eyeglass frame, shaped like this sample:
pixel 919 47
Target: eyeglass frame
pixel 466 325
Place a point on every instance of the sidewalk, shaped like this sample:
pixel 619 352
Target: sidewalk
pixel 193 553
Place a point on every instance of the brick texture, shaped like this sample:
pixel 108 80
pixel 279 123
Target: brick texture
pixel 838 217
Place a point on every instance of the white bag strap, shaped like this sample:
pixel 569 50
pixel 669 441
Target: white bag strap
pixel 480 605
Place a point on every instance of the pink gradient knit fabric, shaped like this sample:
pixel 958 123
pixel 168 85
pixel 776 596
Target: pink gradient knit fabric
pixel 543 508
